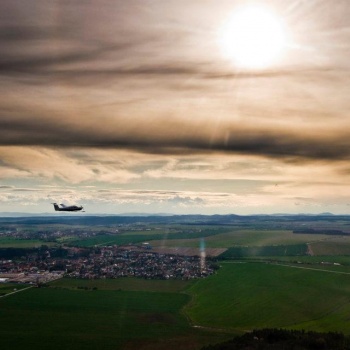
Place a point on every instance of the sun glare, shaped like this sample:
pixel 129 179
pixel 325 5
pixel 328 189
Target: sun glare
pixel 253 37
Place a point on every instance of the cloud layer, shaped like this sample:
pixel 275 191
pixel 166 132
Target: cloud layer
pixel 137 95
pixel 180 137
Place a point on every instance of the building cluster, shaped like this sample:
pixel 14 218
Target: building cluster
pixel 114 263
pixel 106 262
pixel 52 234
pixel 30 277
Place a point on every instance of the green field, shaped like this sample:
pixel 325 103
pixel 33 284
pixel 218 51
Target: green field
pixel 243 296
pixel 100 314
pixel 49 318
pixel 111 240
pixel 341 259
pixel 270 281
pixel 130 283
pixel 334 247
pixel 245 238
pixel 9 242
pixel 275 250
pixel 144 232
pixel 138 237
pixel 6 288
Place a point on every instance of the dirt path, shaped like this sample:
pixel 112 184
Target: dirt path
pixel 17 291
pixel 311 268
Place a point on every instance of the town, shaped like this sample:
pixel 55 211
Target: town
pixel 46 264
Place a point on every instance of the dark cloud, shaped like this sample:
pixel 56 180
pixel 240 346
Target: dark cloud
pixel 118 45
pixel 167 193
pixel 102 70
pixel 86 84
pixel 18 189
pixel 127 40
pixel 39 38
pixel 178 137
pixel 21 34
pixel 54 63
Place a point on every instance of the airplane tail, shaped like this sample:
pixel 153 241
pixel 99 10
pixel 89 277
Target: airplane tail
pixel 57 208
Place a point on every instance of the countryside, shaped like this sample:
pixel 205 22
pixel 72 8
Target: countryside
pixel 267 275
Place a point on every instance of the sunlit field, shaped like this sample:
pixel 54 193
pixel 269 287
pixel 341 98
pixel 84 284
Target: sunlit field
pixel 257 237
pixel 158 238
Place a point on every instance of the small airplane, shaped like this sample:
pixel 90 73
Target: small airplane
pixel 63 207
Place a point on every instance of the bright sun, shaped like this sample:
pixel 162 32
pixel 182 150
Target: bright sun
pixel 253 37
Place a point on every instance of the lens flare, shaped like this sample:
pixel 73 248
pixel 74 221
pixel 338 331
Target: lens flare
pixel 202 254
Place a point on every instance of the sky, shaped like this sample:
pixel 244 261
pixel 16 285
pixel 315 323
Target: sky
pixel 142 106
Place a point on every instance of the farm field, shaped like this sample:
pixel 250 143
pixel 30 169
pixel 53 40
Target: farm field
pixel 321 267
pixel 275 250
pixel 245 238
pixel 138 237
pixel 6 288
pixel 48 318
pixel 242 296
pixel 340 259
pixel 130 283
pixel 328 263
pixel 272 278
pixel 245 296
pixel 9 242
pixel 334 246
pixel 111 240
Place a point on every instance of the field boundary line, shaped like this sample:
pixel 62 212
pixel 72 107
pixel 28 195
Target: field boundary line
pixel 184 309
pixel 311 268
pixel 17 291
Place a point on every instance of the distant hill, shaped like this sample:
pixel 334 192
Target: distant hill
pixel 229 220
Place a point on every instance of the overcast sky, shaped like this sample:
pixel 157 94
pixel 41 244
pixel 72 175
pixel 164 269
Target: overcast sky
pixel 132 106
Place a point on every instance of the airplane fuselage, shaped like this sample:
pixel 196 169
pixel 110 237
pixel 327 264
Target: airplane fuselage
pixel 68 208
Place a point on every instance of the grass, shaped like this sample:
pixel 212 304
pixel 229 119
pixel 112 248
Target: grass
pixel 6 288
pixel 125 284
pixel 239 237
pixel 111 240
pixel 337 247
pixel 132 313
pixel 244 296
pixel 276 250
pixel 52 318
pixel 109 314
pixel 145 232
pixel 8 242
pixel 340 259
pixel 329 263
pixel 128 238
